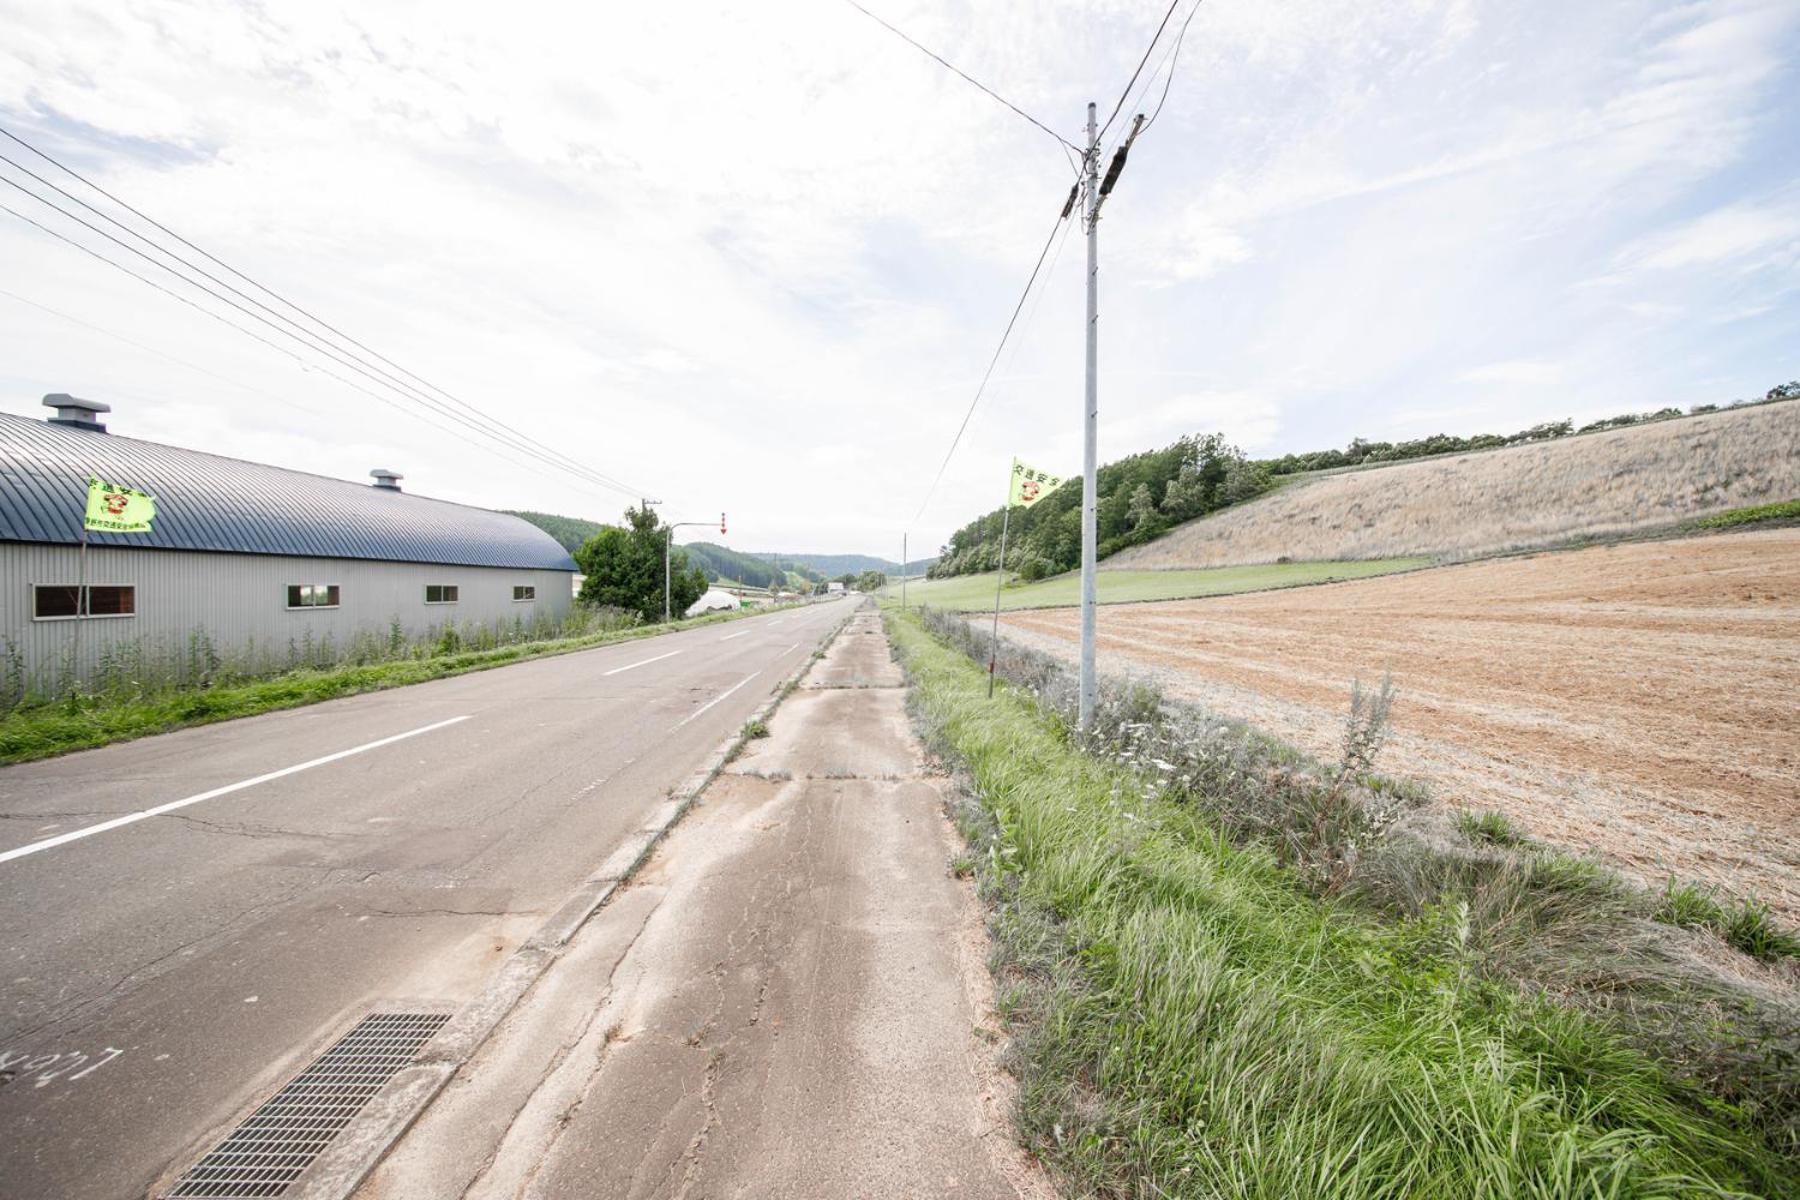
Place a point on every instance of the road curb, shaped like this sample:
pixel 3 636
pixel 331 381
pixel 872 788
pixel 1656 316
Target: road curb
pixel 355 1152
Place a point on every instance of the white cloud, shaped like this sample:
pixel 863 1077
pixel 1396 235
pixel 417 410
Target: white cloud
pixel 745 256
pixel 1518 373
pixel 1747 235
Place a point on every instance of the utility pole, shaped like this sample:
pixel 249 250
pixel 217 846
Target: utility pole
pixel 1097 192
pixel 903 566
pixel 1090 409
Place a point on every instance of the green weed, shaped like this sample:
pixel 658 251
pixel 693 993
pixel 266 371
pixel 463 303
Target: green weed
pixel 1488 828
pixel 1191 1017
pixel 1785 510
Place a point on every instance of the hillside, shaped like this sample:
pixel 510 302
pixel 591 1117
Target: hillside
pixel 1597 485
pixel 719 562
pixel 571 532
pixel 756 570
pixel 833 565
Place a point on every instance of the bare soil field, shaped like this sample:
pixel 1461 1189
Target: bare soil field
pixel 1641 699
pixel 1594 485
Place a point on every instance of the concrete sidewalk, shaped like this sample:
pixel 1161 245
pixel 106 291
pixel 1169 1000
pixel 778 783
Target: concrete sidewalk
pixel 784 1002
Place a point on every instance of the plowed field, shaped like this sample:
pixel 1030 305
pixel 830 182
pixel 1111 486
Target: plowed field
pixel 1640 699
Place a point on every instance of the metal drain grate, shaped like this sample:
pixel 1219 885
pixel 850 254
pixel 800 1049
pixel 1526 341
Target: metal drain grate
pixel 280 1140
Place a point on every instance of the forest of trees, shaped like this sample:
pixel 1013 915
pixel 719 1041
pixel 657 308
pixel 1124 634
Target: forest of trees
pixel 1144 495
pixel 752 570
pixel 1140 497
pixel 571 532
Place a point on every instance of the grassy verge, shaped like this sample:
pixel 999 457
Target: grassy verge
pixel 45 730
pixel 976 592
pixel 1758 514
pixel 1198 1012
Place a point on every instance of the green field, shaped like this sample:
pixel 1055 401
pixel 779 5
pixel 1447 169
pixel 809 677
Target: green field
pixel 976 592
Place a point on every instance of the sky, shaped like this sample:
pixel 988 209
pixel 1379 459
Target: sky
pixel 754 259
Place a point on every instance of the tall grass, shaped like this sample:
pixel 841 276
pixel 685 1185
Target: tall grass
pixel 1598 485
pixel 140 705
pixel 1205 1004
pixel 143 669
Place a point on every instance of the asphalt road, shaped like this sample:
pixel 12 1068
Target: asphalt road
pixel 162 974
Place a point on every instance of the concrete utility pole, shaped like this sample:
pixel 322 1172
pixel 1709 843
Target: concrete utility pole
pixel 1090 422
pixel 1097 191
pixel 903 565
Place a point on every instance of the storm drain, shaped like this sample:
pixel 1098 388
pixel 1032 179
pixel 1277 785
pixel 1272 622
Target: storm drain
pixel 280 1140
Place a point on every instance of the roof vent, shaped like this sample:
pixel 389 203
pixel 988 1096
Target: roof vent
pixel 386 479
pixel 76 412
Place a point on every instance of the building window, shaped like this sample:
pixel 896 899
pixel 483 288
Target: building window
pixel 524 591
pixel 58 601
pixel 312 595
pixel 440 593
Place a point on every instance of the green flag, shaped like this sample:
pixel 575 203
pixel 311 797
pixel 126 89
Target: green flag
pixel 1028 485
pixel 115 509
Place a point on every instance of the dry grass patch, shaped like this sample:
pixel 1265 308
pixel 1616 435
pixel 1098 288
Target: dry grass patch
pixel 1594 486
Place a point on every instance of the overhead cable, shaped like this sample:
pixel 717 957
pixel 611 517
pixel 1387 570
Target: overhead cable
pixel 469 416
pixel 988 374
pixel 941 61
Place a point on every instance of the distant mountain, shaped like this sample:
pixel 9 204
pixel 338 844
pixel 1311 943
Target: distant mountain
pixel 756 570
pixel 833 565
pixel 722 562
pixel 571 532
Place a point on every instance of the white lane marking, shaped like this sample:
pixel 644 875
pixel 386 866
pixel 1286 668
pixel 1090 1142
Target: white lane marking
pixel 740 633
pixel 171 806
pixel 734 687
pixel 791 649
pixel 646 662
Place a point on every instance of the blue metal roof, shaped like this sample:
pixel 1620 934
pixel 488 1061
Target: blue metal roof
pixel 207 502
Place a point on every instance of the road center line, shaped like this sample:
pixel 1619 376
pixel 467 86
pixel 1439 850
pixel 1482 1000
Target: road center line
pixel 171 806
pixel 734 687
pixel 646 662
pixel 738 634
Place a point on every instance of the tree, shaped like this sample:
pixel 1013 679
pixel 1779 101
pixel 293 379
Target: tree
pixel 871 581
pixel 624 568
pixel 1140 510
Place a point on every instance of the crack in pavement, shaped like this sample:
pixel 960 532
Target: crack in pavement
pixel 81 1010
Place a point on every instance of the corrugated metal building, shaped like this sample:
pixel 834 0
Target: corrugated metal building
pixel 250 563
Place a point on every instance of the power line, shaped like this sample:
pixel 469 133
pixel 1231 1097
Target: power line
pixel 180 362
pixel 1140 67
pixel 314 318
pixel 308 341
pixel 470 417
pixel 1174 58
pixel 988 374
pixel 304 336
pixel 941 61
pixel 251 333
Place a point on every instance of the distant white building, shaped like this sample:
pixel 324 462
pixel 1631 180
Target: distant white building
pixel 256 562
pixel 714 600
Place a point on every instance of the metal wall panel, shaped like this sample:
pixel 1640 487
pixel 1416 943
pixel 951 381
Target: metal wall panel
pixel 209 502
pixel 239 603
